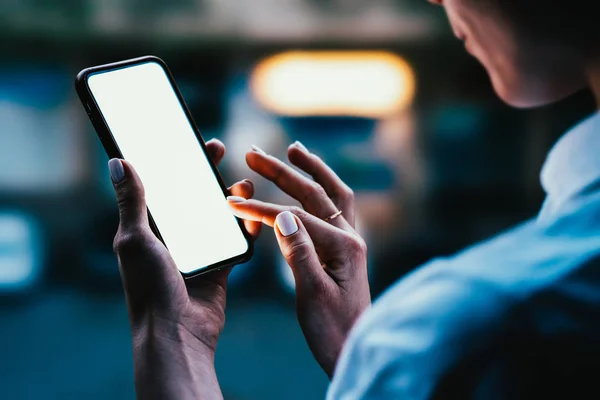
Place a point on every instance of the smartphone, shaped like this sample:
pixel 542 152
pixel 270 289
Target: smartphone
pixel 140 116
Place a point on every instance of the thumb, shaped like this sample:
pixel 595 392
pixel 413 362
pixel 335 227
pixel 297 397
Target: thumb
pixel 130 194
pixel 299 251
pixel 148 272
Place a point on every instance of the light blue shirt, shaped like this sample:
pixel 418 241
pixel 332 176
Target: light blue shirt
pixel 514 317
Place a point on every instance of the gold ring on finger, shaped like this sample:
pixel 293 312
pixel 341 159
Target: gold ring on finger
pixel 334 216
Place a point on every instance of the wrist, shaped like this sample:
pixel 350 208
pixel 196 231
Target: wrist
pixel 156 328
pixel 171 361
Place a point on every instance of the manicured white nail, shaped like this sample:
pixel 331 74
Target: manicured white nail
pixel 286 222
pixel 236 199
pixel 117 172
pixel 259 150
pixel 301 146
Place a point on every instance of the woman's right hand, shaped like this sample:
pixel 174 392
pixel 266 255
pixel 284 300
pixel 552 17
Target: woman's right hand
pixel 328 258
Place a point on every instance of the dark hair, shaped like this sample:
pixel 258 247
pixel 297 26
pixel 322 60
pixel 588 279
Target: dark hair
pixel 573 23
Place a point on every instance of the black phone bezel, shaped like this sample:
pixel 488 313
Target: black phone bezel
pixel 112 149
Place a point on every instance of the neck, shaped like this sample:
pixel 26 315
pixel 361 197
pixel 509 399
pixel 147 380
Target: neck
pixel 594 80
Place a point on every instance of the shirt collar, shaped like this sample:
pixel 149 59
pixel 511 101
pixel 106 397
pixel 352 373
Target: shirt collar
pixel 573 164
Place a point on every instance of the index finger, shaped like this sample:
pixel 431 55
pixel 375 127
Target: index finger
pixel 322 233
pixel 310 194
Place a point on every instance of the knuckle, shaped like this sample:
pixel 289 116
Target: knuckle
pixel 316 288
pixel 278 172
pixel 356 245
pixel 298 253
pixel 306 196
pixel 348 194
pixel 131 188
pixel 312 192
pixel 363 246
pixel 318 190
pixel 130 242
pixel 129 195
pixel 297 211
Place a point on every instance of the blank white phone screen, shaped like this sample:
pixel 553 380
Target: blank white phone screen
pixel 183 195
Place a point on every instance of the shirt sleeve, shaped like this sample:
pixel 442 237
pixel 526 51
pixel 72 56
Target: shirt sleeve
pixel 486 316
pixel 408 342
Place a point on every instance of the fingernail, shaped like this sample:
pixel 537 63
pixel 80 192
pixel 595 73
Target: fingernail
pixel 117 172
pixel 286 222
pixel 258 150
pixel 301 146
pixel 236 199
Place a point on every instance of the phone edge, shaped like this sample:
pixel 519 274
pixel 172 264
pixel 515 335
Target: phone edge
pixel 113 151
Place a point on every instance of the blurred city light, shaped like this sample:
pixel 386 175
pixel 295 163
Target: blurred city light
pixel 368 84
pixel 21 257
pixel 40 146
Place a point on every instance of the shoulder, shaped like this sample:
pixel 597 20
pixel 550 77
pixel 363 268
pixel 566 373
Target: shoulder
pixel 420 329
pixel 416 332
pixel 454 308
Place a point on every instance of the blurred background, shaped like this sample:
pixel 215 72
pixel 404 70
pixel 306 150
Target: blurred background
pixel 380 89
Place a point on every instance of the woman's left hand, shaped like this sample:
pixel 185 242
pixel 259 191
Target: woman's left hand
pixel 175 323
